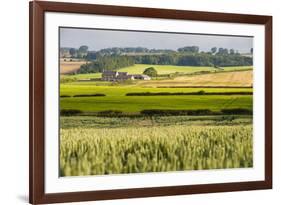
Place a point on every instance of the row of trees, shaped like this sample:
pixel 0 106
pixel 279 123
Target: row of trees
pixel 198 59
pixel 115 58
pixel 106 63
pixel 83 52
pixel 119 50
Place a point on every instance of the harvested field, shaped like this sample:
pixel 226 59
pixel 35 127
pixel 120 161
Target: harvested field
pixel 67 67
pixel 237 78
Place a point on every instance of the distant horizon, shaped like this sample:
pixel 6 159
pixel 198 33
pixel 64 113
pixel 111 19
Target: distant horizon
pixel 68 47
pixel 76 37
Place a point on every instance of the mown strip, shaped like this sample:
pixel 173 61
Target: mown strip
pixel 188 93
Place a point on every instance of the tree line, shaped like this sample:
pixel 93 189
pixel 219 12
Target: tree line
pixel 116 62
pixel 84 52
pixel 198 59
pixel 106 63
pixel 115 58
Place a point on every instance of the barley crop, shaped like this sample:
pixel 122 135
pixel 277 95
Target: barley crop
pixel 100 151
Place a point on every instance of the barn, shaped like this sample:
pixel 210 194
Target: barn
pixel 113 76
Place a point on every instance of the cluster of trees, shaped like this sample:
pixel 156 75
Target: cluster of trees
pixel 126 50
pixel 195 59
pixel 81 52
pixel 152 72
pixel 191 49
pixel 106 63
pixel 116 51
pixel 165 59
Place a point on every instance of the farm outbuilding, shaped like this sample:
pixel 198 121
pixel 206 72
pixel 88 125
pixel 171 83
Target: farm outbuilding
pixel 141 77
pixel 122 76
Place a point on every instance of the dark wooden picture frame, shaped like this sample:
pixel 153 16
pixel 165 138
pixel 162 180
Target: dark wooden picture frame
pixel 37 193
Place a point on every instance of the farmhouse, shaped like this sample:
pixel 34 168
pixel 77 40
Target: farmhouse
pixel 122 76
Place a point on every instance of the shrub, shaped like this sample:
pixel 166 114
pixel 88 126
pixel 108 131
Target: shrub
pixel 110 113
pixel 70 112
pixel 201 112
pixel 228 118
pixel 68 79
pixel 65 96
pixel 201 92
pixel 90 95
pixel 152 72
pixel 237 111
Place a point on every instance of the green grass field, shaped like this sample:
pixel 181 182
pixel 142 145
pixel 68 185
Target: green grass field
pixel 115 98
pixel 167 69
pixel 134 104
pixel 164 69
pixel 90 87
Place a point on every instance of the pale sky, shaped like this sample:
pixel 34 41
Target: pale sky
pixel 99 39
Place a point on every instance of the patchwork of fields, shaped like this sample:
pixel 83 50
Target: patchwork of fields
pixel 67 67
pixel 136 143
pixel 133 104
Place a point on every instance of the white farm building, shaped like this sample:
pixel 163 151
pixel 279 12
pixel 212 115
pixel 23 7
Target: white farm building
pixel 122 76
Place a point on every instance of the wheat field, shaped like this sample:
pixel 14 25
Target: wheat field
pixel 154 149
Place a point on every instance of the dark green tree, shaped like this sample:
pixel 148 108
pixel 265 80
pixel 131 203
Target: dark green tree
pixel 231 52
pixel 72 51
pixel 83 49
pixel 152 72
pixel 214 49
pixel 190 49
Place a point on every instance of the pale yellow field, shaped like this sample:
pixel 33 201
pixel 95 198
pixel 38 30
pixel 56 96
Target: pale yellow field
pixel 238 78
pixel 70 66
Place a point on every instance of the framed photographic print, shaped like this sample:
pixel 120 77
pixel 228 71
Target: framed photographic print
pixel 139 102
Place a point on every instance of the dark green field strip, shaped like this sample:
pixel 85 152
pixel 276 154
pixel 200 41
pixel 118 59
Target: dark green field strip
pixel 134 104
